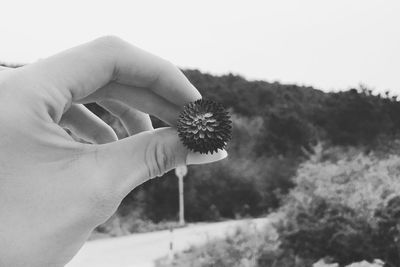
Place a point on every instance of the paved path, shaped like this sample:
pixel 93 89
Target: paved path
pixel 140 250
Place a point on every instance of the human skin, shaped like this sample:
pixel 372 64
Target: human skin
pixel 55 191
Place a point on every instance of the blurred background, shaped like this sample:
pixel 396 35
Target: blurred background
pixel 313 174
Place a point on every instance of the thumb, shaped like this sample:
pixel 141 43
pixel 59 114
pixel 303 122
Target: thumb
pixel 136 159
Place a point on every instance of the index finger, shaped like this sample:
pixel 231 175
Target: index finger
pixel 80 71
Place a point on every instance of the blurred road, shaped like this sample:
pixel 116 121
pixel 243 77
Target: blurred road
pixel 140 250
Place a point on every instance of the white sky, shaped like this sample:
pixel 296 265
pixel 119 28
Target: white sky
pixel 331 44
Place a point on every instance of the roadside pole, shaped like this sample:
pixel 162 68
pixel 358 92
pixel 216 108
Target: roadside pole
pixel 181 172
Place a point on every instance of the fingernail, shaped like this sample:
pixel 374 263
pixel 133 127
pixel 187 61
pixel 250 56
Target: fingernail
pixel 198 158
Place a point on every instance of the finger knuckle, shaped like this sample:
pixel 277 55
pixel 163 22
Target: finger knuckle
pixel 109 40
pixel 158 158
pixel 164 70
pixel 170 68
pixel 123 113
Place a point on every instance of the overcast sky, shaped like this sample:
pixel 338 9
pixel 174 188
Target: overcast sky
pixel 327 44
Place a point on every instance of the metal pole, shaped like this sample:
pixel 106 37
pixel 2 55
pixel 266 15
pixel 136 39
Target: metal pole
pixel 180 172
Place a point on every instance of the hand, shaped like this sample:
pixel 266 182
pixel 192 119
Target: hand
pixel 55 191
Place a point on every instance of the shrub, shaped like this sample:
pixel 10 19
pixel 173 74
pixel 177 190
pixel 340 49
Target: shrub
pixel 325 229
pixel 361 182
pixel 347 210
pixel 242 248
pixel 388 232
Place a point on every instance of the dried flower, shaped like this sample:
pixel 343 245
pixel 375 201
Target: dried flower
pixel 204 126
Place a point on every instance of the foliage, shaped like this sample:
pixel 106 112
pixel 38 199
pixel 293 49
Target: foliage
pixel 286 133
pixel 357 117
pixel 325 229
pixel 242 248
pixel 388 231
pixel 344 210
pixel 358 181
pixel 347 210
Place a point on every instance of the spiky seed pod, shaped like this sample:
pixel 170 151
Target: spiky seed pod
pixel 204 126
